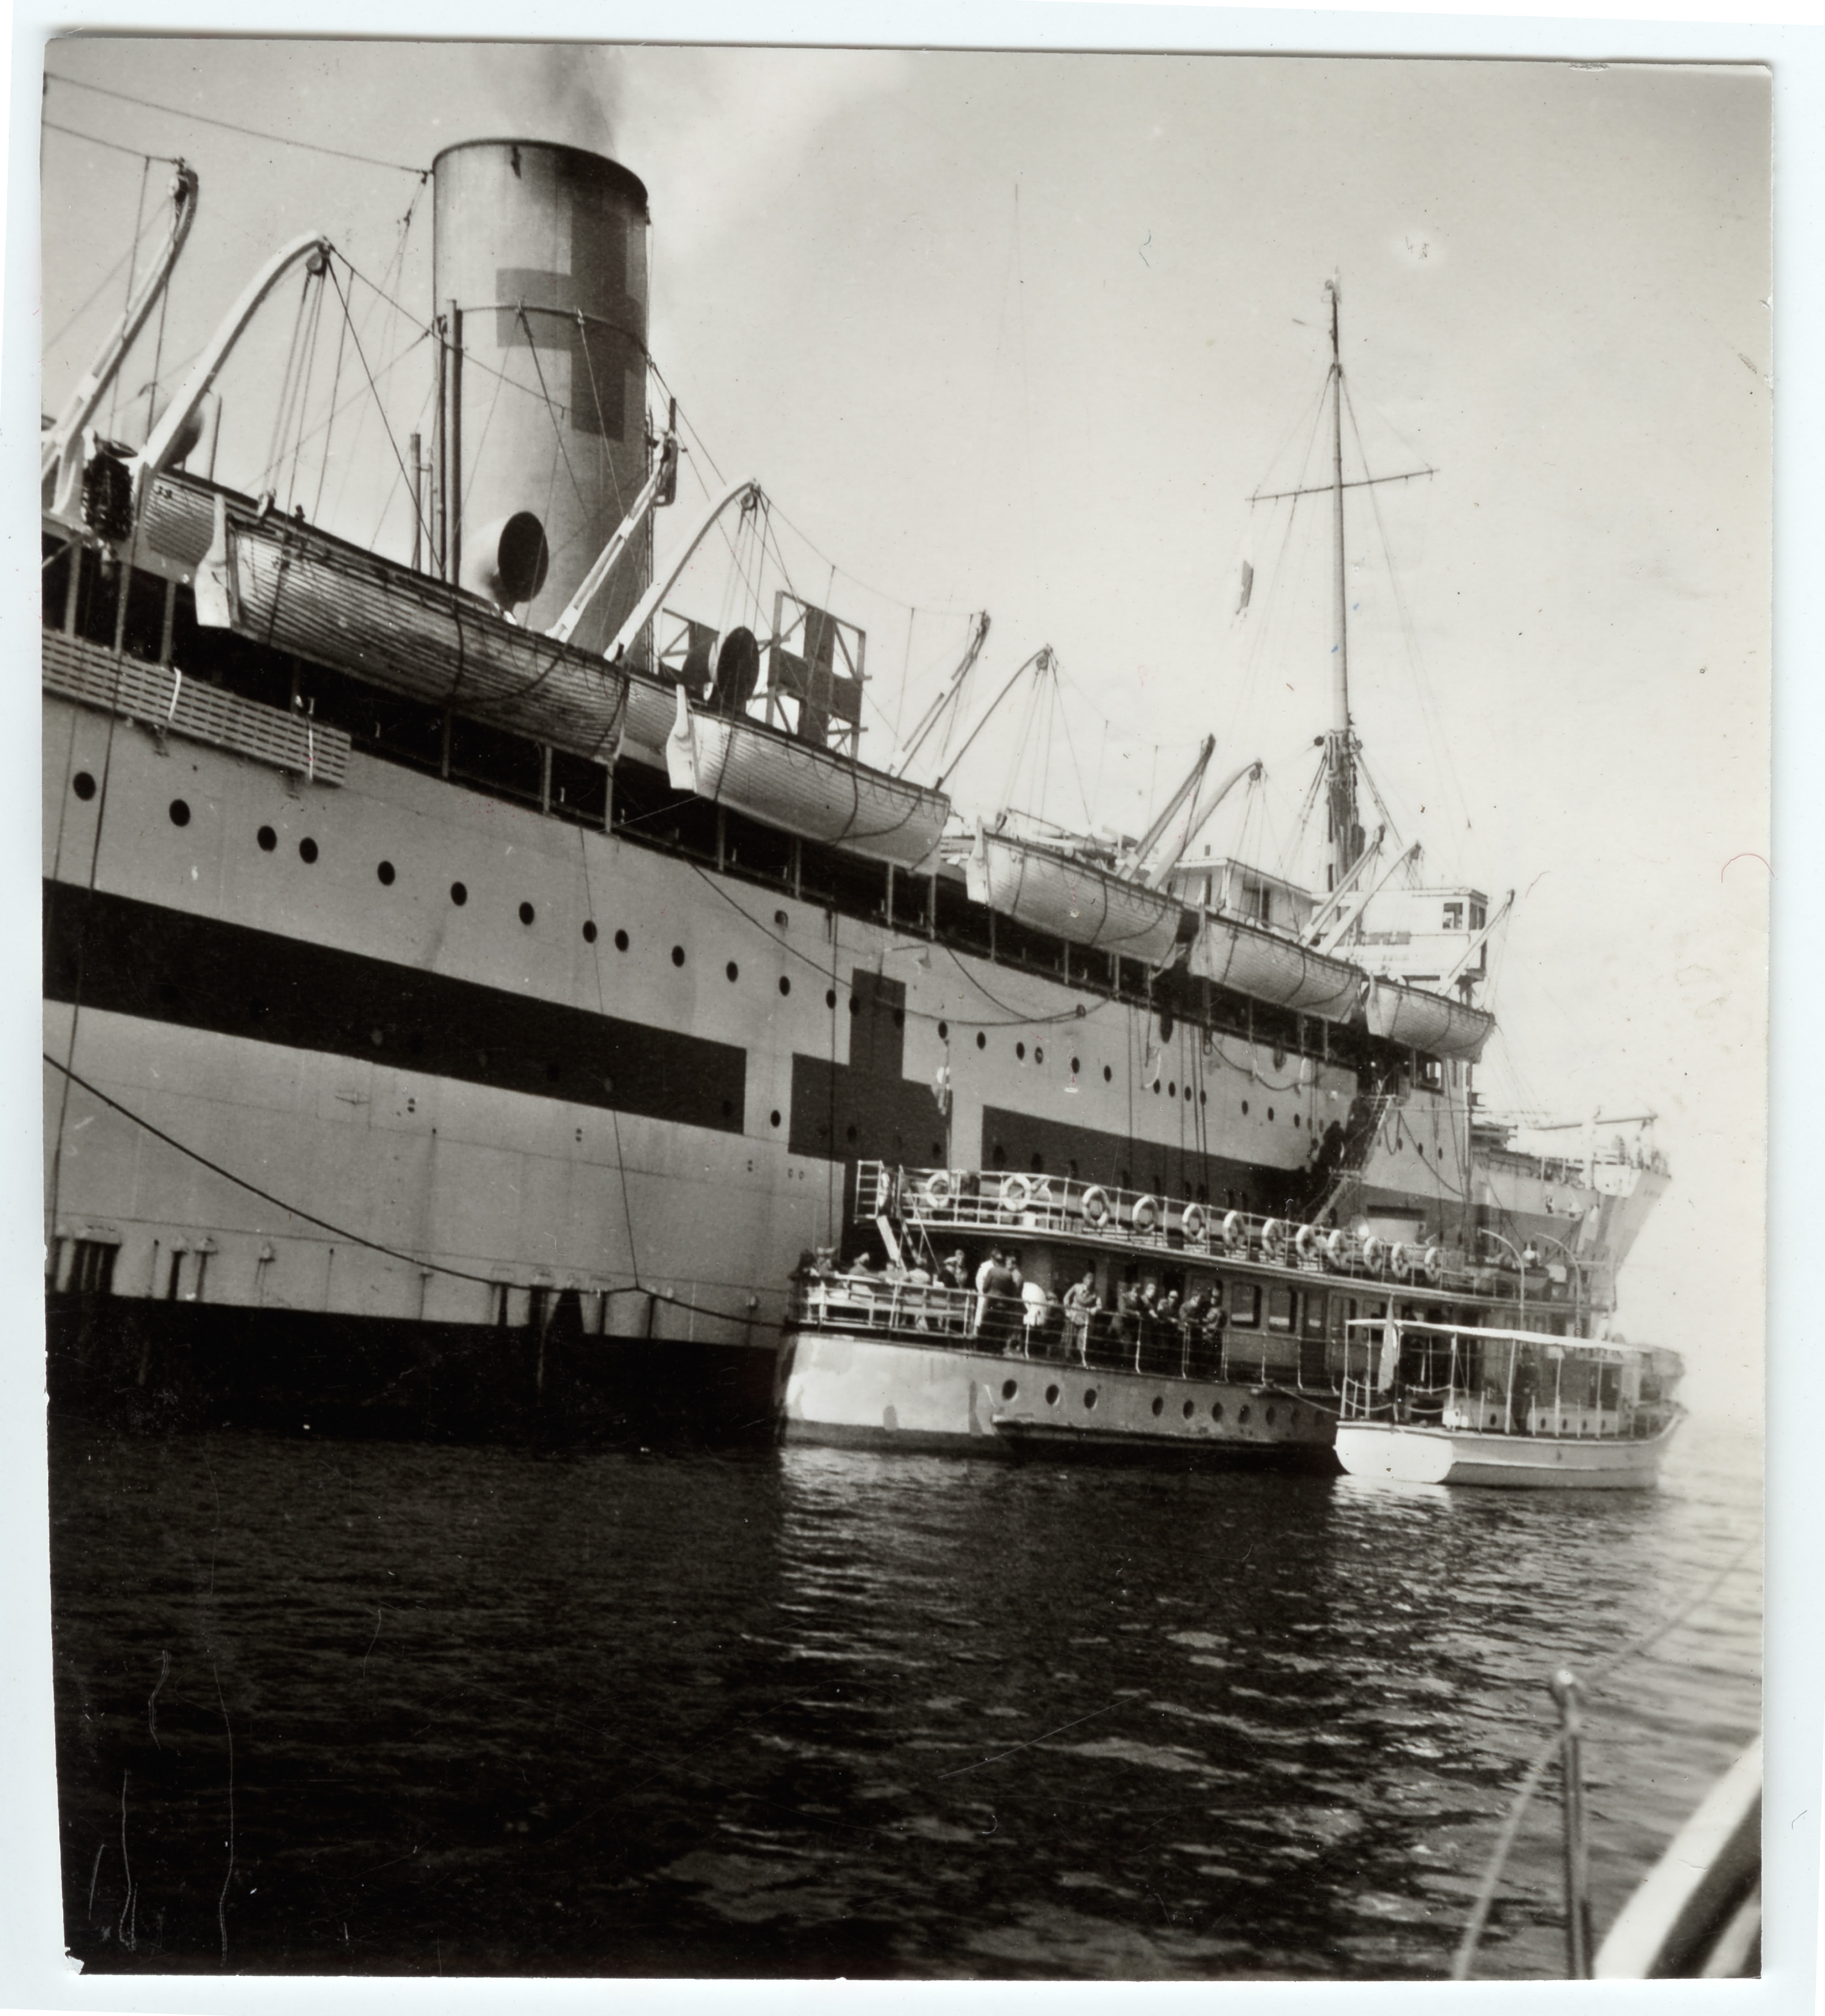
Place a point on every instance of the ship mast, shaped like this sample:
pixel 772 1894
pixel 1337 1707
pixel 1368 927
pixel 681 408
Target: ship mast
pixel 1340 747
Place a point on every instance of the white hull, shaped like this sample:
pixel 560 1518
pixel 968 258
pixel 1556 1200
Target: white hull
pixel 1073 899
pixel 862 1391
pixel 1268 968
pixel 816 793
pixel 1407 1454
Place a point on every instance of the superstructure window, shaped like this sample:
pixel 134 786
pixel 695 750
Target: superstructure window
pixel 1245 1304
pixel 1280 1308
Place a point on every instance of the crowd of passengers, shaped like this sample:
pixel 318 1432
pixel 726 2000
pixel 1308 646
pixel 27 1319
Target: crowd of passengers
pixel 1150 1325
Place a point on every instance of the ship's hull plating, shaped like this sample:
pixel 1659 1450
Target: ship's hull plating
pixel 861 1391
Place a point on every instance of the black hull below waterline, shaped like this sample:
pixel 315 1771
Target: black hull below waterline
pixel 153 1365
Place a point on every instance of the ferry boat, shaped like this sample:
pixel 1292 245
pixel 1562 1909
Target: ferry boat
pixel 479 961
pixel 1432 1402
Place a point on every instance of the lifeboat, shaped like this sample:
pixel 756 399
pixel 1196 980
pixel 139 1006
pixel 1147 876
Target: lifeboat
pixel 1433 1023
pixel 1073 898
pixel 799 787
pixel 1268 967
pixel 290 586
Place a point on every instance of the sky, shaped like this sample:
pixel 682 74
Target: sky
pixel 1026 333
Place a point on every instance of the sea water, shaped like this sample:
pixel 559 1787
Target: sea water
pixel 337 1706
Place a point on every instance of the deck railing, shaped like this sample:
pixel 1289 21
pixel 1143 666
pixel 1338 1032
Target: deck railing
pixel 939 1317
pixel 992 1200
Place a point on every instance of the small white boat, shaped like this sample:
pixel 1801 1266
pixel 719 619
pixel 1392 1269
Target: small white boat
pixel 1431 1022
pixel 1269 966
pixel 1439 1403
pixel 1074 898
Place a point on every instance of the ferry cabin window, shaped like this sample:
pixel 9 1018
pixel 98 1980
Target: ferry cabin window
pixel 1245 1303
pixel 1280 1308
pixel 1316 1310
pixel 1479 917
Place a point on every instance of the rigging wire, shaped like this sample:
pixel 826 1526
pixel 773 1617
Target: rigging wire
pixel 229 125
pixel 114 146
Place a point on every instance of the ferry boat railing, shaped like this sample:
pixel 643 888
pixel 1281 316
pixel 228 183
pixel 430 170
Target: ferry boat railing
pixel 935 1315
pixel 940 1200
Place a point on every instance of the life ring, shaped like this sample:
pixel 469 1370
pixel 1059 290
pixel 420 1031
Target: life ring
pixel 1195 1221
pixel 936 1190
pixel 1305 1242
pixel 1273 1236
pixel 1145 1214
pixel 1336 1247
pixel 1401 1260
pixel 1435 1265
pixel 1234 1233
pixel 1374 1252
pixel 1017 1193
pixel 1094 1205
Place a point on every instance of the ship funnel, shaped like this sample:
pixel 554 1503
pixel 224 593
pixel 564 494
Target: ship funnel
pixel 539 269
pixel 507 561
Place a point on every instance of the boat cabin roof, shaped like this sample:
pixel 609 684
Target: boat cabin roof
pixel 1582 1346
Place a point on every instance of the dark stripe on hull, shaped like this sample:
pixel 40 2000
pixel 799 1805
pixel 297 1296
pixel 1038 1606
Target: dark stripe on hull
pixel 200 973
pixel 155 1365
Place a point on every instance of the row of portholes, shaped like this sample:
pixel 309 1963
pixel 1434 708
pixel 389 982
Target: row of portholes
pixel 1010 1387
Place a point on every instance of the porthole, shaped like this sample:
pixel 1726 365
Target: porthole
pixel 385 872
pixel 773 1117
pixel 459 894
pixel 1159 1405
pixel 180 813
pixel 1216 1410
pixel 944 1032
pixel 268 839
pixel 1296 1121
pixel 1052 1396
pixel 1089 1396
pixel 83 785
pixel 306 850
pixel 678 955
pixel 589 930
pixel 1245 1109
pixel 1188 1095
pixel 1270 1417
pixel 621 941
pixel 1204 1098
pixel 1172 1088
pixel 1009 1388
pixel 1292 1417
pixel 1270 1113
pixel 785 984
pixel 829 997
pixel 1020 1051
pixel 1108 1074
pixel 1038 1055
pixel 733 971
pixel 1190 1408
pixel 1156 1087
pixel 1242 1415
pixel 1075 1067
pixel 854 1001
pixel 981 1041
pixel 527 913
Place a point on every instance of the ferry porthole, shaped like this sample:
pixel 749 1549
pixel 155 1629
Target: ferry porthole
pixel 1190 1408
pixel 307 851
pixel 855 1001
pixel 1052 1396
pixel 1216 1410
pixel 1242 1414
pixel 773 1117
pixel 1089 1396
pixel 1245 1109
pixel 527 913
pixel 268 839
pixel 733 971
pixel 1159 1405
pixel 589 930
pixel 1204 1098
pixel 1270 1417
pixel 621 941
pixel 678 955
pixel 180 813
pixel 1038 1055
pixel 829 997
pixel 784 983
pixel 1172 1089
pixel 1075 1067
pixel 1295 1120
pixel 981 1041
pixel 83 785
pixel 1009 1388
pixel 459 894
pixel 1270 1113
pixel 943 1028
pixel 1020 1051
pixel 1108 1074
pixel 386 871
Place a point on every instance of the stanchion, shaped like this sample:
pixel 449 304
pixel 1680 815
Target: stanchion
pixel 1578 1941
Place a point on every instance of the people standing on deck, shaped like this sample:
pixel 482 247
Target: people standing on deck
pixel 1001 1300
pixel 1080 1304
